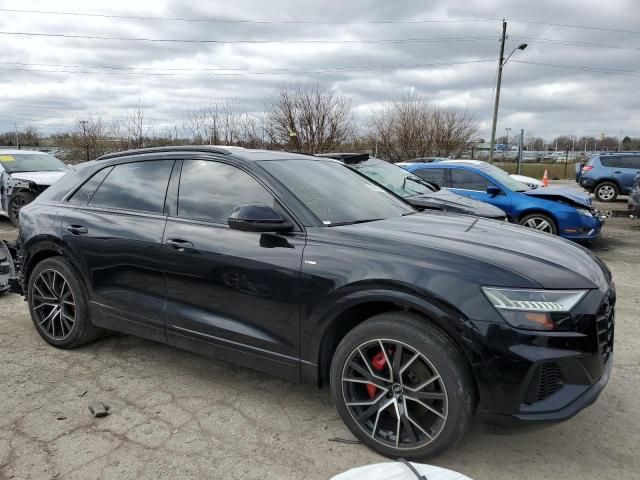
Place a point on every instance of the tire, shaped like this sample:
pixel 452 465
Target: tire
pixel 606 192
pixel 16 202
pixel 449 389
pixel 540 222
pixel 44 300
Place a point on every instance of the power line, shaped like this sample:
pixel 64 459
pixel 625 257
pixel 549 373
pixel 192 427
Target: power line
pixel 230 20
pixel 279 71
pixel 228 71
pixel 572 43
pixel 612 71
pixel 186 40
pixel 582 27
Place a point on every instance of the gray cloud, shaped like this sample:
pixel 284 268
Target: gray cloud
pixel 545 101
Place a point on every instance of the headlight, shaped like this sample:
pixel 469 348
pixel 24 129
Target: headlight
pixel 532 309
pixel 584 212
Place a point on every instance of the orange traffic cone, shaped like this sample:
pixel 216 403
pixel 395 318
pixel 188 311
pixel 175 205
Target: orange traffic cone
pixel 545 178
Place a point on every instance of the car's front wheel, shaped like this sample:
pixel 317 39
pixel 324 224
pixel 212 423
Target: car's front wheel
pixel 58 305
pixel 402 387
pixel 17 201
pixel 540 222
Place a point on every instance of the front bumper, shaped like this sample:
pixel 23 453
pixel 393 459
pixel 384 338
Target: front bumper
pixel 546 377
pixel 589 228
pixel 634 204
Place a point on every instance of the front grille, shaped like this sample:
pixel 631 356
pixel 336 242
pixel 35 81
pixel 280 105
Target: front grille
pixel 551 380
pixel 604 327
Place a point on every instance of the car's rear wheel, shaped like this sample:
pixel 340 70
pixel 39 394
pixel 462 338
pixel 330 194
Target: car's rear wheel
pixel 402 387
pixel 58 306
pixel 17 201
pixel 540 222
pixel 606 192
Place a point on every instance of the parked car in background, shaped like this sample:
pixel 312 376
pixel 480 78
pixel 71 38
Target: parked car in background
pixel 634 198
pixel 25 174
pixel 609 175
pixel 414 190
pixel 302 268
pixel 530 181
pixel 560 211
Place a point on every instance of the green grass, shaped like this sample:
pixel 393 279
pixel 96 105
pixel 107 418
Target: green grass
pixel 536 170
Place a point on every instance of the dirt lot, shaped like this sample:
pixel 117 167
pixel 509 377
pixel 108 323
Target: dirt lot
pixel 178 415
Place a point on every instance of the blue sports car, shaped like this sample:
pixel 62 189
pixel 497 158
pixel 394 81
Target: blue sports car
pixel 561 211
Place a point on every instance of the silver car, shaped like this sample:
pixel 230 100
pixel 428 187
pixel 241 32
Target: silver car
pixel 24 174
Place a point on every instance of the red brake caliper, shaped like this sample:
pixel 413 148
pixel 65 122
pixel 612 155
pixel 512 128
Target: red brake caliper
pixel 379 362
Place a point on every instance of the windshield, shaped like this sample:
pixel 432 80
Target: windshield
pixel 504 178
pixel 31 162
pixel 334 193
pixel 395 178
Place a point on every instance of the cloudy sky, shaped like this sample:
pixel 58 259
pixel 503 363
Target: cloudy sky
pixel 581 81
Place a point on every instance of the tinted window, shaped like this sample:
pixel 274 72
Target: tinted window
pixel 433 175
pixel 620 161
pixel 334 193
pixel 84 193
pixel 135 186
pixel 467 180
pixel 211 190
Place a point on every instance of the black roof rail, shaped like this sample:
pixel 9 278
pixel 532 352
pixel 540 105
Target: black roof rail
pixel 171 148
pixel 347 157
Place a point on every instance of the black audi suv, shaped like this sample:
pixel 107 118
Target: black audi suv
pixel 302 268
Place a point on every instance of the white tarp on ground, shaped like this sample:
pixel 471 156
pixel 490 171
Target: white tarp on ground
pixel 399 471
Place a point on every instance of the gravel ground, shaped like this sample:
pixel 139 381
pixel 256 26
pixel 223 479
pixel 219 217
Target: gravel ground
pixel 179 415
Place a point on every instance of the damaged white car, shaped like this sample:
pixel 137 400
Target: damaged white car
pixel 25 174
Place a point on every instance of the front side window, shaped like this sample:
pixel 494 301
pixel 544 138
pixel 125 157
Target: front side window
pixel 138 186
pixel 436 176
pixel 395 178
pixel 211 190
pixel 334 193
pixel 467 180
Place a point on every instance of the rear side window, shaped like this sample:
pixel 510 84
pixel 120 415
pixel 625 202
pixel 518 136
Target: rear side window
pixel 86 191
pixel 467 180
pixel 211 190
pixel 620 161
pixel 138 186
pixel 433 175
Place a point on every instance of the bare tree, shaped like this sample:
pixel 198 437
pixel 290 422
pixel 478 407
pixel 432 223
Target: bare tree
pixel 308 118
pixel 90 136
pixel 410 127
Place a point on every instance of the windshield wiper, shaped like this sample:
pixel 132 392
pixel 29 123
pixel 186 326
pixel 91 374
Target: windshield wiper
pixel 353 222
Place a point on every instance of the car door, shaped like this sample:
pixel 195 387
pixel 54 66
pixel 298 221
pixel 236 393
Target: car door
pixel 474 185
pixel 115 232
pixel 625 170
pixel 231 294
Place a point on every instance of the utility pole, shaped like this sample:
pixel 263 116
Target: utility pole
pixel 497 100
pixel 15 125
pixel 520 150
pixel 84 135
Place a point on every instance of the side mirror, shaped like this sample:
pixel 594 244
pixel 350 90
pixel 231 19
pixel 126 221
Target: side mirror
pixel 257 217
pixel 493 190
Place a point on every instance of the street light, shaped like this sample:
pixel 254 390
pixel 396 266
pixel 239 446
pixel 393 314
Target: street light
pixel 501 63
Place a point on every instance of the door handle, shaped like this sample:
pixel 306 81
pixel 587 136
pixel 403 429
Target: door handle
pixel 617 171
pixel 179 244
pixel 77 229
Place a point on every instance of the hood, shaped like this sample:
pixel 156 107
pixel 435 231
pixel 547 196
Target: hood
pixel 448 201
pixel 574 197
pixel 496 253
pixel 44 179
